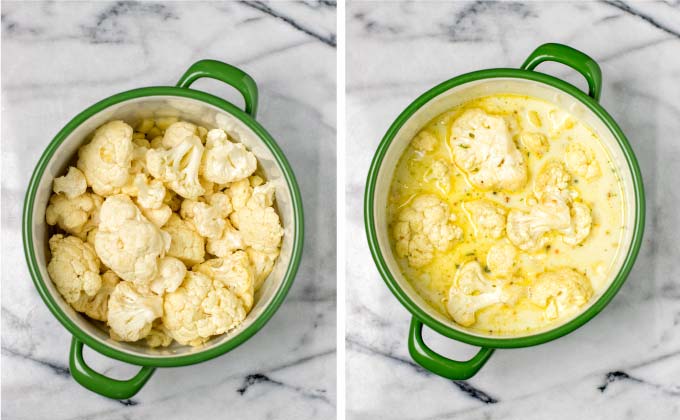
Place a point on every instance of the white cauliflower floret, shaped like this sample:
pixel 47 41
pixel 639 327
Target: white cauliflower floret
pixel 186 244
pixel 483 148
pixel 535 143
pixel 132 312
pixel 230 240
pixel 208 221
pixel 199 309
pixel 74 268
pixel 106 160
pixel 171 272
pixel 551 179
pixel 424 142
pixel 239 193
pixel 220 201
pixel 225 161
pixel 560 291
pixel 71 185
pixel 257 222
pixel 158 336
pixel 97 306
pixel 581 221
pixel 77 215
pixel 159 216
pixel 581 161
pixel 424 226
pixel 439 173
pixel 526 230
pixel 472 291
pixel 262 263
pixel 177 132
pixel 150 194
pixel 127 242
pixel 138 162
pixel 234 272
pixel 486 217
pixel 501 258
pixel 178 167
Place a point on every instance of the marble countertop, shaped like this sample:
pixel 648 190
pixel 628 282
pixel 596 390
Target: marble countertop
pixel 625 363
pixel 59 58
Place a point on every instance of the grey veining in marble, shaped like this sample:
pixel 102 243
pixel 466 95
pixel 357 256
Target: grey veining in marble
pixel 625 363
pixel 57 59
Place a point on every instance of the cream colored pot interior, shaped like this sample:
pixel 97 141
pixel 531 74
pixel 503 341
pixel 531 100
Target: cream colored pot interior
pixel 461 94
pixel 189 110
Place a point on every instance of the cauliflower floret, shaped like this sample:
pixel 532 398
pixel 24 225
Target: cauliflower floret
pixel 208 221
pixel 138 162
pixel 581 221
pixel 439 173
pixel 177 132
pixel 225 161
pixel 127 242
pixel 262 263
pixel 97 306
pixel 220 202
pixel 199 309
pixel 106 160
pixel 178 167
pixel 239 193
pixel 172 200
pixel 526 230
pixel 551 179
pixel 560 291
pixel 132 312
pixel 74 268
pixel 158 336
pixel 150 194
pixel 424 226
pixel 71 185
pixel 424 142
pixel 581 161
pixel 159 216
pixel 536 143
pixel 472 290
pixel 483 148
pixel 234 272
pixel 186 244
pixel 501 258
pixel 230 240
pixel 171 272
pixel 76 216
pixel 486 218
pixel 257 222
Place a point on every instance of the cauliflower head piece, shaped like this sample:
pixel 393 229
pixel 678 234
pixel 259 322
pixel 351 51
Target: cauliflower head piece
pixel 439 173
pixel 171 273
pixel 262 263
pixel 235 273
pixel 127 242
pixel 486 217
pixel 422 227
pixel 177 132
pixel 186 243
pixel 71 185
pixel 179 167
pixel 132 312
pixel 560 291
pixel 526 230
pixel 97 306
pixel 483 148
pixel 501 258
pixel 257 222
pixel 208 221
pixel 551 179
pixel 77 215
pixel 424 142
pixel 106 160
pixel 225 161
pixel 535 143
pixel 199 309
pixel 74 268
pixel 581 161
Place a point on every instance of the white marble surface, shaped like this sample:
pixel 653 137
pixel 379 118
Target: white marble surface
pixel 625 363
pixel 57 59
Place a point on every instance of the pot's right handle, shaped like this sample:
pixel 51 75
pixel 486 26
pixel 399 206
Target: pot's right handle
pixel 438 364
pixel 226 73
pixel 573 58
pixel 103 385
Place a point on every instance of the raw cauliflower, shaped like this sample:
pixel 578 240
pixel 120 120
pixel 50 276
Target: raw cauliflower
pixel 208 221
pixel 560 291
pixel 74 268
pixel 581 161
pixel 486 217
pixel 158 336
pixel 127 242
pixel 132 312
pixel 262 263
pixel 178 167
pixel 225 161
pixel 425 225
pixel 106 160
pixel 483 148
pixel 257 222
pixel 185 242
pixel 71 185
pixel 97 306
pixel 177 132
pixel 150 193
pixel 77 215
pixel 472 291
pixel 159 216
pixel 230 240
pixel 171 272
pixel 200 309
pixel 234 272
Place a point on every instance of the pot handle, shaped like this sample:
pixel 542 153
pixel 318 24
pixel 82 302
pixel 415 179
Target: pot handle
pixel 102 385
pixel 570 57
pixel 438 364
pixel 226 73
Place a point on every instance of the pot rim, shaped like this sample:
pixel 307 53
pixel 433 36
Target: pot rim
pixel 198 356
pixel 544 336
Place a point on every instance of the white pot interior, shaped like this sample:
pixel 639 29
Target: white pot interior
pixel 457 96
pixel 186 109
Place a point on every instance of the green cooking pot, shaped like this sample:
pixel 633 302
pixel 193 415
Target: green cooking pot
pixel 200 108
pixel 447 95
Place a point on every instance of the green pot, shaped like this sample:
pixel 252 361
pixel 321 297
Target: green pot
pixel 523 81
pixel 201 108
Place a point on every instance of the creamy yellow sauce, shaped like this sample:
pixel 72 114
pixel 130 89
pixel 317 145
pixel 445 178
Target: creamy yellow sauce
pixel 594 257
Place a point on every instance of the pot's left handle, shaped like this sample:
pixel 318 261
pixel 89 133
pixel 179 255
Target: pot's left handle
pixel 95 381
pixel 440 365
pixel 226 73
